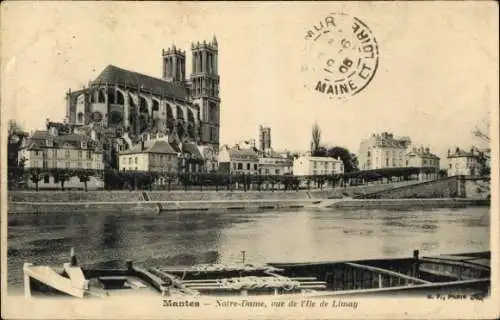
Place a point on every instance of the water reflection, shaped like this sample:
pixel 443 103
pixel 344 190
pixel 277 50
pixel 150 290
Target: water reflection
pixel 177 238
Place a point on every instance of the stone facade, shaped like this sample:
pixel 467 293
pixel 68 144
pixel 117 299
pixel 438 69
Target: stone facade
pixel 467 163
pixel 186 109
pixel 309 165
pixel 383 151
pixel 275 164
pixel 239 159
pixel 447 188
pixel 152 155
pixel 52 150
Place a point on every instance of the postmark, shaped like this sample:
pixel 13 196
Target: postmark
pixel 343 56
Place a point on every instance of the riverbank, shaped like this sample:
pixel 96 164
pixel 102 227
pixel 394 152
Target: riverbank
pixel 156 207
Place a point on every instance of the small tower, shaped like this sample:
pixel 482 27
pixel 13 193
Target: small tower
pixel 205 73
pixel 204 89
pixel 174 65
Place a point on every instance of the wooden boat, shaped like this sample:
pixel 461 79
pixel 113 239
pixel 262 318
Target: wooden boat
pixel 467 274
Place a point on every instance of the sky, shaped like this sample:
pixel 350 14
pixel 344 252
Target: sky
pixel 437 76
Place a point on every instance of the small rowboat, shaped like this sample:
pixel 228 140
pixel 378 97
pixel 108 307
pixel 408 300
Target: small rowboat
pixel 464 273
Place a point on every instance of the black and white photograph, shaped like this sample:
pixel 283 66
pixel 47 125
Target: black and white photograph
pixel 249 160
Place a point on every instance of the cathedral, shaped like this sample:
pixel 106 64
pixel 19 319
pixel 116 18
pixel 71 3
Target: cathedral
pixel 186 109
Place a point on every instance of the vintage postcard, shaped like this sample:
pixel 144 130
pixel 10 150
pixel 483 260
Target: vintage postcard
pixel 296 160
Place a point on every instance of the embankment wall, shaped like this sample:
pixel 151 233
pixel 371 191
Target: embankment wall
pixel 77 196
pixel 408 204
pixel 133 196
pixel 446 188
pixel 155 207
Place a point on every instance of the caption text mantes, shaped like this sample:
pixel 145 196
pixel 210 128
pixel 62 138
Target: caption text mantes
pixel 222 303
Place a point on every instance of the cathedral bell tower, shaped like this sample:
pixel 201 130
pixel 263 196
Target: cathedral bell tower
pixel 174 65
pixel 205 89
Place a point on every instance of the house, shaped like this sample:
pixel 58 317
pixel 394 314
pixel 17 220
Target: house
pixel 462 162
pixel 306 165
pixel 239 159
pixel 52 150
pixel 383 151
pixel 273 163
pixel 156 155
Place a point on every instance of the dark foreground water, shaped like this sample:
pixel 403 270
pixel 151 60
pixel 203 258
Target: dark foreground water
pixel 208 237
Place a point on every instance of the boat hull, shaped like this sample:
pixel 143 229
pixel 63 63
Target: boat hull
pixel 452 276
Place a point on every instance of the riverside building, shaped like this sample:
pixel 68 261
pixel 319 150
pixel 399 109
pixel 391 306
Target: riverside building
pixel 160 153
pixel 57 148
pixel 306 164
pixel 462 162
pixel 383 151
pixel 239 159
pixel 420 157
pixel 155 155
pixel 273 163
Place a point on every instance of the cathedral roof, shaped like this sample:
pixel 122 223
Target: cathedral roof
pixel 112 74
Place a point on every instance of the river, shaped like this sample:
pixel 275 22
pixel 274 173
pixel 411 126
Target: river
pixel 272 236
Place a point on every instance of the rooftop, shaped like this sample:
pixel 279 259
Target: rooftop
pixel 458 153
pixel 112 74
pixel 423 152
pixel 38 140
pixel 159 146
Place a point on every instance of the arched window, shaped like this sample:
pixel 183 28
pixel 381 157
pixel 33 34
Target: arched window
pixel 156 105
pixel 190 115
pixel 170 118
pixel 132 117
pixel 191 131
pixel 180 130
pixel 119 98
pixel 100 97
pixel 213 112
pixel 143 122
pixel 170 124
pixel 111 95
pixel 143 105
pixel 170 113
pixel 180 113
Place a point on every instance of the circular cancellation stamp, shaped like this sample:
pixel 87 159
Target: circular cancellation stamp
pixel 343 56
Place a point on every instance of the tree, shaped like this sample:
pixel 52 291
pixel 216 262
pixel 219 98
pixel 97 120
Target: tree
pixel 349 159
pixel 482 130
pixel 316 139
pixel 15 136
pixel 84 176
pixel 321 152
pixel 35 176
pixel 62 175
